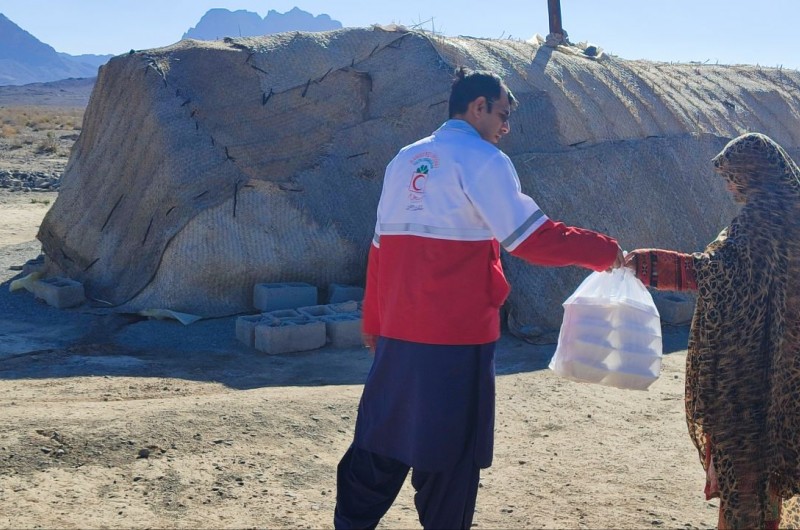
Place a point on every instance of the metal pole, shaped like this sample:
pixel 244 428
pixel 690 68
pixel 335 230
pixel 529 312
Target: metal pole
pixel 554 8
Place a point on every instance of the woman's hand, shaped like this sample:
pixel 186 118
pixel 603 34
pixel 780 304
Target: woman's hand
pixel 632 257
pixel 370 341
pixel 618 261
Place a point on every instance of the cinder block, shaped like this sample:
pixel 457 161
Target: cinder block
pixel 316 311
pixel 338 292
pixel 345 307
pixel 290 295
pixel 300 320
pixel 344 330
pixel 245 328
pixel 675 308
pixel 282 314
pixel 59 292
pixel 286 337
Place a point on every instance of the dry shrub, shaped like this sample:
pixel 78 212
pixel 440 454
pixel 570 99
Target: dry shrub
pixel 42 118
pixel 49 144
pixel 7 131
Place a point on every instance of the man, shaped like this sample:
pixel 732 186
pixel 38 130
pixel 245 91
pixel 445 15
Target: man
pixel 431 310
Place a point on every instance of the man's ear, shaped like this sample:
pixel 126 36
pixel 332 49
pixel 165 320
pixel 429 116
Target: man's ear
pixel 477 106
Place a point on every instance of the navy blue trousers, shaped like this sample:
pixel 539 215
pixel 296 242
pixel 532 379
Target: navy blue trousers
pixel 425 407
pixel 367 485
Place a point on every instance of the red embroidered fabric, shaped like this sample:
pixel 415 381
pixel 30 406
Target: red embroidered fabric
pixel 664 269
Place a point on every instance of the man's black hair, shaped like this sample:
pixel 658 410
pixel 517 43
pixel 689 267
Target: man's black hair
pixel 469 85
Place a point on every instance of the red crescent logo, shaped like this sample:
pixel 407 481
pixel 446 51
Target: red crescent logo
pixel 414 186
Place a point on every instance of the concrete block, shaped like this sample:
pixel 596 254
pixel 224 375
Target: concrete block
pixel 338 292
pixel 345 307
pixel 245 329
pixel 286 337
pixel 290 295
pixel 59 292
pixel 282 314
pixel 675 308
pixel 316 311
pixel 344 330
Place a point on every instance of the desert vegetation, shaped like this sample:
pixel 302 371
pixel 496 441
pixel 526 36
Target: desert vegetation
pixel 18 120
pixel 42 130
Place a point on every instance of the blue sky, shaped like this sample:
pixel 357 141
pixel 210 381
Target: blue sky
pixel 724 31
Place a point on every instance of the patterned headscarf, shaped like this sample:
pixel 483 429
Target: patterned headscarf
pixel 743 364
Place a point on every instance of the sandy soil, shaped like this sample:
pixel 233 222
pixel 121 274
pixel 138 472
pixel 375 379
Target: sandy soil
pixel 21 216
pixel 108 422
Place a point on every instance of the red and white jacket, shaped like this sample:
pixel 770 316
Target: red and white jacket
pixel 448 202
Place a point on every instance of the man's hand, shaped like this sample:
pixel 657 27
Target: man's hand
pixel 619 261
pixel 370 341
pixel 632 258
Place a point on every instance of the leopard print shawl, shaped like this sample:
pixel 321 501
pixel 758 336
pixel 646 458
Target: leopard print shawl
pixel 743 363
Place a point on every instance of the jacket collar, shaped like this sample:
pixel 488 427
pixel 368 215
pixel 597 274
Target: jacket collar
pixel 458 125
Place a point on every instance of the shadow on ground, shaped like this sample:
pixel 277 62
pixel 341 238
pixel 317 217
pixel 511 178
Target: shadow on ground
pixel 38 341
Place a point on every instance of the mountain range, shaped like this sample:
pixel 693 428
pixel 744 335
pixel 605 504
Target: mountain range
pixel 219 23
pixel 25 59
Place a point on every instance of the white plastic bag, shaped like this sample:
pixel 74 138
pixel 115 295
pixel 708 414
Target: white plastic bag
pixel 611 333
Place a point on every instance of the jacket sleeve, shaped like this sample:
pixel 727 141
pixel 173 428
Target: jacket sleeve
pixel 371 324
pixel 664 270
pixel 524 230
pixel 556 244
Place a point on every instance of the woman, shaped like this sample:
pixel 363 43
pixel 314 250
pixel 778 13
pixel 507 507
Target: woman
pixel 743 362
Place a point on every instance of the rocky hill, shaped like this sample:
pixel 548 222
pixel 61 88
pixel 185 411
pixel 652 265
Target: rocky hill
pixel 25 59
pixel 219 23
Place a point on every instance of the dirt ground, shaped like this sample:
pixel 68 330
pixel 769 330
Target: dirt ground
pixel 112 421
